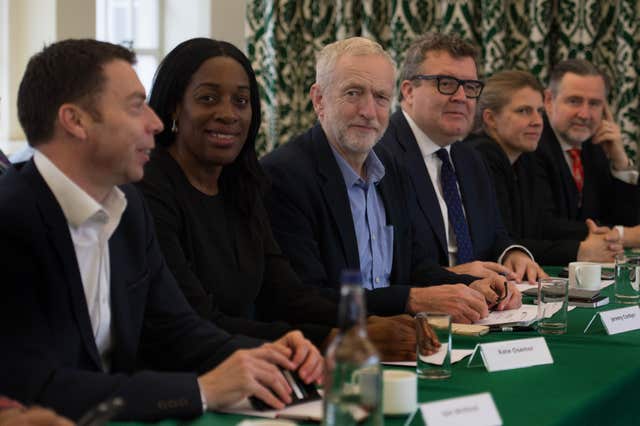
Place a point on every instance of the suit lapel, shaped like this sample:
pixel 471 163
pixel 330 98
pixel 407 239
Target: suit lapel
pixel 568 184
pixel 463 165
pixel 388 195
pixel 122 358
pixel 425 192
pixel 335 193
pixel 60 238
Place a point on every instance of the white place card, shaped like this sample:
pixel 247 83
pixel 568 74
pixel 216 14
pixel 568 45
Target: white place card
pixel 478 410
pixel 618 320
pixel 511 354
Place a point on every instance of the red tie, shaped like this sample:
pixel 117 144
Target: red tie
pixel 576 168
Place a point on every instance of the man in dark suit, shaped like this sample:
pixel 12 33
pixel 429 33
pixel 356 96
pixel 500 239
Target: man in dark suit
pixel 336 204
pixel 438 97
pixel 583 164
pixel 89 306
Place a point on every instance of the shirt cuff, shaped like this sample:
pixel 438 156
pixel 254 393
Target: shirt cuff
pixel 515 246
pixel 203 399
pixel 627 176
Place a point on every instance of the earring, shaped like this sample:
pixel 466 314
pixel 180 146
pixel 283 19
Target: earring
pixel 174 126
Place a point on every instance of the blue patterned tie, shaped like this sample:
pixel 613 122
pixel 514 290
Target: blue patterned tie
pixel 454 206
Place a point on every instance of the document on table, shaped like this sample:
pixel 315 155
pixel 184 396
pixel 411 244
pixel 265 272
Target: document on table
pixel 524 315
pixel 307 411
pixel 456 355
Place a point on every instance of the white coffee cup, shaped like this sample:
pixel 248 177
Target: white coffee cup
pixel 400 392
pixel 585 275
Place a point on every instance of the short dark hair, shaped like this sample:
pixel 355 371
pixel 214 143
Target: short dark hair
pixel 579 67
pixel 453 44
pixel 242 181
pixel 66 71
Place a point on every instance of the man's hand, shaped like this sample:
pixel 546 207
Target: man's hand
pixel 464 304
pixel 631 236
pixel 601 244
pixel 482 269
pixel 523 266
pixel 307 360
pixel 609 136
pixel 33 416
pixel 252 372
pixel 499 293
pixel 394 337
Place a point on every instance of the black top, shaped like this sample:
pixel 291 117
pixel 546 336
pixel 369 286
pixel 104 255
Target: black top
pixel 231 273
pixel 523 205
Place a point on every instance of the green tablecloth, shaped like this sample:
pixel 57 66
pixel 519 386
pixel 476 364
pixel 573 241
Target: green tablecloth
pixel 592 381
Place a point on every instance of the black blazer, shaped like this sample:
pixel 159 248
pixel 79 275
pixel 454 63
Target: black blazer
pixel 488 235
pixel 49 353
pixel 311 219
pixel 604 198
pixel 522 203
pixel 256 282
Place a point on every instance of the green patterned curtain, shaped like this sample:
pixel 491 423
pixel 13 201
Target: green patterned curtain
pixel 284 35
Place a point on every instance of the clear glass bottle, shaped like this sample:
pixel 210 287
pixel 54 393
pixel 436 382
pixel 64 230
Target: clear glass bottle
pixel 353 375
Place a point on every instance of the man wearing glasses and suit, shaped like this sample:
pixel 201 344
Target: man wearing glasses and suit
pixel 439 90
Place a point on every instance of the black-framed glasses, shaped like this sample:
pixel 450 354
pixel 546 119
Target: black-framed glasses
pixel 448 85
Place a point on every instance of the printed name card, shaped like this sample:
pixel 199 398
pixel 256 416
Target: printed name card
pixel 511 354
pixel 478 410
pixel 618 320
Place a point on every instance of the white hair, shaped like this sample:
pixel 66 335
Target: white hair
pixel 327 58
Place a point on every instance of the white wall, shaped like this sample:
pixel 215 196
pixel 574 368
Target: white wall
pixel 34 23
pixel 31 26
pixel 227 21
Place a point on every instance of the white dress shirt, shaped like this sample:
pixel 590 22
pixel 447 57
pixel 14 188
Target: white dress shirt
pixel 428 149
pixel 91 224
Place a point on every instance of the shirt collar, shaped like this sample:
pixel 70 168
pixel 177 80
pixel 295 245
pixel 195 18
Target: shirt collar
pixel 566 147
pixel 427 146
pixel 373 166
pixel 78 206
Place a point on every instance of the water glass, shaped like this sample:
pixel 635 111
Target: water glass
pixel 433 339
pixel 553 302
pixel 627 279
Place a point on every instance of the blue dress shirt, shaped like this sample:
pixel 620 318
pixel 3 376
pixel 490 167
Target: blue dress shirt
pixel 374 236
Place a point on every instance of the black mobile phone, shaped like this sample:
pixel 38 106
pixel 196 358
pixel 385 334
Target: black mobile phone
pixel 302 392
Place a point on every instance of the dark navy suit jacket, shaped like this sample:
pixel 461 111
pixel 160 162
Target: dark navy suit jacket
pixel 488 234
pixel 49 355
pixel 311 218
pixel 604 198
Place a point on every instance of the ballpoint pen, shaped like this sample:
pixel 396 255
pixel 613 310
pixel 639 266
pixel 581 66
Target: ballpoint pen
pixel 500 297
pixel 510 328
